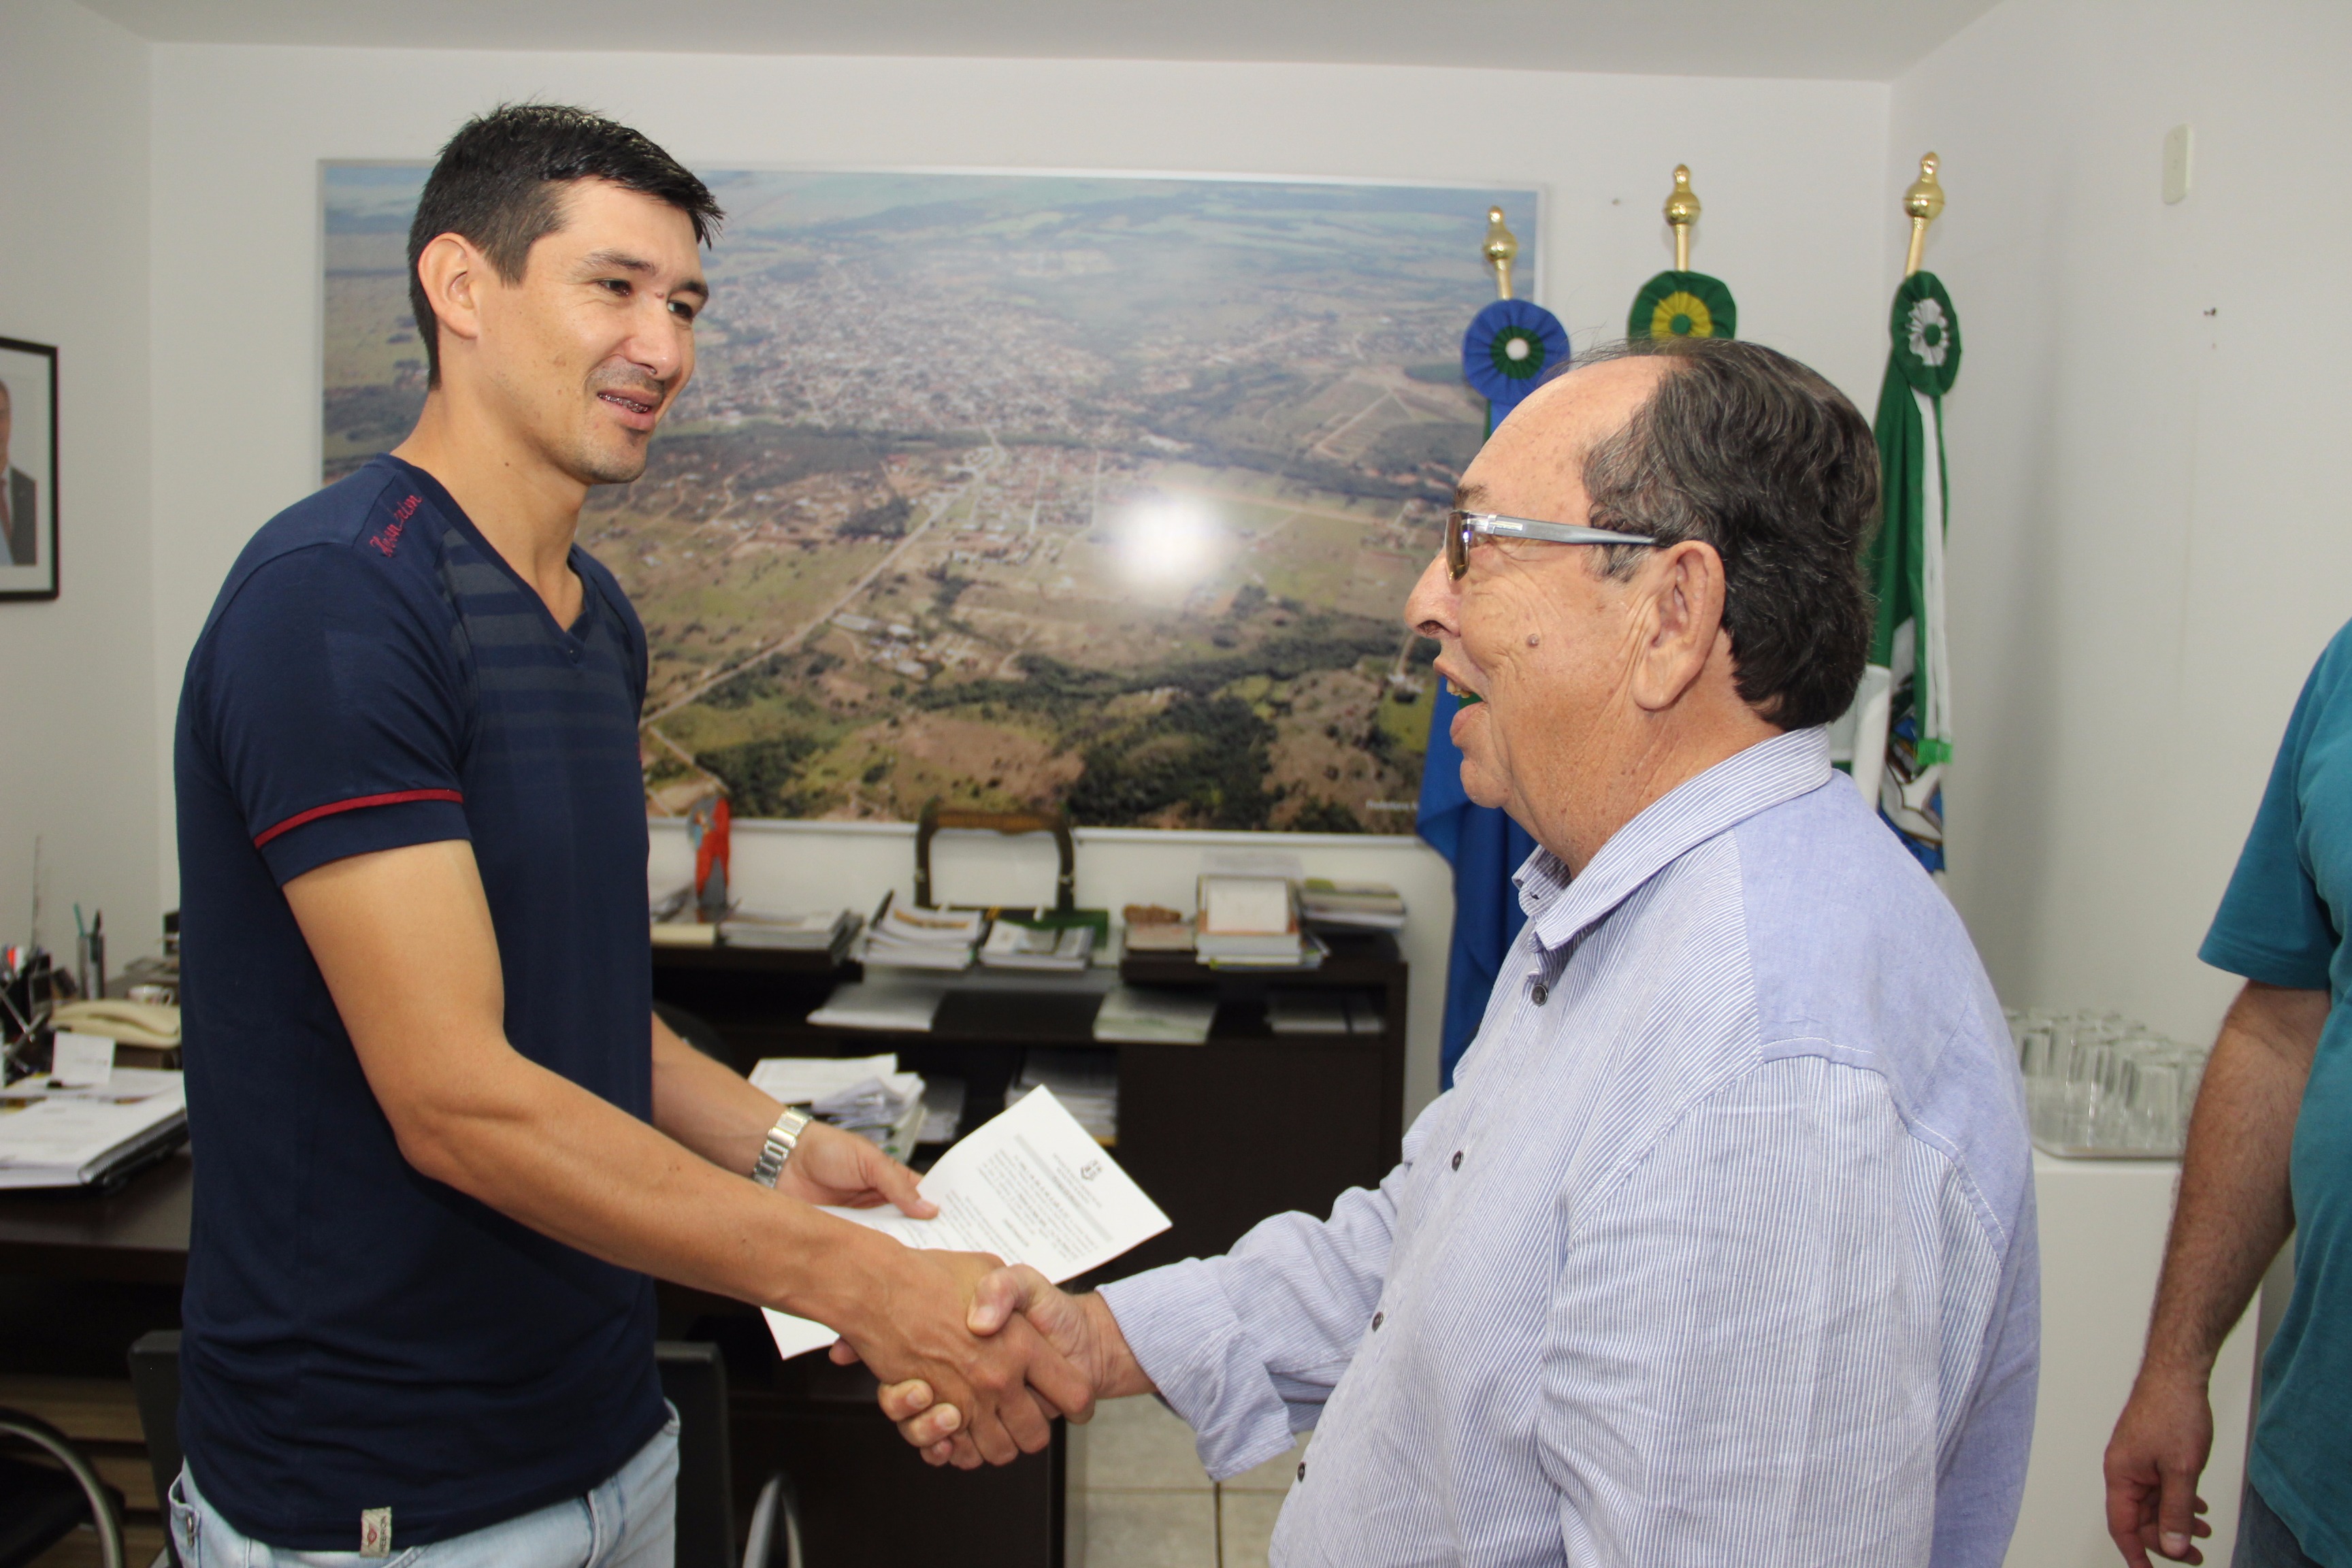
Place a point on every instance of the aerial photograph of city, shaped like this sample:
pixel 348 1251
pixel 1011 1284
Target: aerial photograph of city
pixel 1023 492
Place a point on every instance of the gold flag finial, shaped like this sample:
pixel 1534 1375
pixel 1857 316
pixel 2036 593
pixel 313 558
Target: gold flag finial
pixel 1924 201
pixel 1682 211
pixel 1502 249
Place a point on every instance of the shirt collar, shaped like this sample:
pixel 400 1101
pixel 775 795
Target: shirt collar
pixel 1693 812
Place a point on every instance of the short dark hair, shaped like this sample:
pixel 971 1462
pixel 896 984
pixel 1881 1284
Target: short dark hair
pixel 1748 450
pixel 496 184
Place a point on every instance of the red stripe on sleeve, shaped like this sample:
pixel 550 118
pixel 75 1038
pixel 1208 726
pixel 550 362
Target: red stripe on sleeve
pixel 397 798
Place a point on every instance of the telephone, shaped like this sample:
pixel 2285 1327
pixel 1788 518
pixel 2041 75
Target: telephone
pixel 127 1023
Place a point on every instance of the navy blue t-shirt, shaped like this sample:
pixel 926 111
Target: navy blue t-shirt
pixel 358 1336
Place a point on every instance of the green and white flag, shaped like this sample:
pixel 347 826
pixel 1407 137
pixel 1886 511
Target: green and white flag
pixel 1903 714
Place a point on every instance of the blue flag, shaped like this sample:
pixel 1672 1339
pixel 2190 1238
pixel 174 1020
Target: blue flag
pixel 1505 353
pixel 1484 847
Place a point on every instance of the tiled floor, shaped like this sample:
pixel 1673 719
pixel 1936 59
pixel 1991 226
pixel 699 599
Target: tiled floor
pixel 1144 1501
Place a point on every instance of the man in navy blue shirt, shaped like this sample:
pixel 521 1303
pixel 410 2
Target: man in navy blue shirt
pixel 443 1139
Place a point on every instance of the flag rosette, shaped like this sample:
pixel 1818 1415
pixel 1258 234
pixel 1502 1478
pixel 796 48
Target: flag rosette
pixel 1927 333
pixel 1683 305
pixel 1509 345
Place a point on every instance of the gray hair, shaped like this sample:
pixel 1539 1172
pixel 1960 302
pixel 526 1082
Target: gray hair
pixel 1745 449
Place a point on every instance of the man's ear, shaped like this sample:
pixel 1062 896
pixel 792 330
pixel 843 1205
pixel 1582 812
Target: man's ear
pixel 452 271
pixel 1684 587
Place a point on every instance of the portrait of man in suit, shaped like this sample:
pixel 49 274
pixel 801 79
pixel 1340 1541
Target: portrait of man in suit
pixel 20 497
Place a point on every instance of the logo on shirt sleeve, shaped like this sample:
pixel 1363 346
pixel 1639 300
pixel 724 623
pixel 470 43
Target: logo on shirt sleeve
pixel 388 537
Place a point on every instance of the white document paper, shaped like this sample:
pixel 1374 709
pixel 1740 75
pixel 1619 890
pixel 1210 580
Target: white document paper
pixel 80 1061
pixel 903 1006
pixel 1031 1187
pixel 803 1081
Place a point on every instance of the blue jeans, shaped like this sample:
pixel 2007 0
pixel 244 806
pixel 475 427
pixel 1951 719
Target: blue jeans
pixel 2264 1540
pixel 629 1522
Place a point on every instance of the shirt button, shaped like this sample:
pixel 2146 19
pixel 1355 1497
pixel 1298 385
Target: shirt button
pixel 1541 994
pixel 1302 1469
pixel 1457 1159
pixel 1377 1318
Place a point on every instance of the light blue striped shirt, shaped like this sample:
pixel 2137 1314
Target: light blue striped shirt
pixel 1720 1251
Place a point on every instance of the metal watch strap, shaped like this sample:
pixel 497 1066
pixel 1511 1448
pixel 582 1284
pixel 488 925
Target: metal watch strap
pixel 781 1139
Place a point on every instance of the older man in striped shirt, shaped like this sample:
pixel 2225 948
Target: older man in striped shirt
pixel 1721 1250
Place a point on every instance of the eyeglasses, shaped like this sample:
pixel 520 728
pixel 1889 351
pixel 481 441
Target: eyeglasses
pixel 1462 528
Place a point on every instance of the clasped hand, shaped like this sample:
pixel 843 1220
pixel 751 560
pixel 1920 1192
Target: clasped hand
pixel 909 1321
pixel 1005 1304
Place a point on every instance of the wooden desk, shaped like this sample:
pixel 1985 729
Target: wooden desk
pixel 139 1236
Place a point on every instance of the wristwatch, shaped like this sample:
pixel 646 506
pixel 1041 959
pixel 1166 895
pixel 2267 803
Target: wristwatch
pixel 781 1139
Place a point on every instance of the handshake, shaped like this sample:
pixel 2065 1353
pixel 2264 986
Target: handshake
pixel 982 1358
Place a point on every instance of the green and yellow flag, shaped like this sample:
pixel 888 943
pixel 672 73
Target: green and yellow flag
pixel 1903 729
pixel 1683 305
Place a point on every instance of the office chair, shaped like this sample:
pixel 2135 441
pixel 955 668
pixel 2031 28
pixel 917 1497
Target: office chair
pixel 40 1507
pixel 694 1379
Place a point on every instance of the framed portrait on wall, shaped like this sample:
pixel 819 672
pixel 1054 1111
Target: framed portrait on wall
pixel 28 470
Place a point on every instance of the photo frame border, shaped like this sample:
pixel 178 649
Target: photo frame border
pixel 57 577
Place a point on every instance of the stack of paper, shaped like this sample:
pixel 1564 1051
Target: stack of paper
pixel 668 906
pixel 1156 1015
pixel 72 1136
pixel 942 1111
pixel 884 1110
pixel 1030 1187
pixel 914 938
pixel 1159 936
pixel 815 931
pixel 865 1095
pixel 906 1006
pixel 1085 1082
pixel 1247 916
pixel 1360 906
pixel 804 1080
pixel 1011 946
pixel 1322 1013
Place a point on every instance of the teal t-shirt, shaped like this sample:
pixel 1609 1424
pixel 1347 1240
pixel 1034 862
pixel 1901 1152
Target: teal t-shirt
pixel 2283 922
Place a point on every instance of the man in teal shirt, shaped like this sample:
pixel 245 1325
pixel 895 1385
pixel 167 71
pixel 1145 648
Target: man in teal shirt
pixel 2269 1152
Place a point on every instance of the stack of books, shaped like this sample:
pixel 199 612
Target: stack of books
pixel 1150 928
pixel 1157 1016
pixel 1012 945
pixel 1357 906
pixel 813 932
pixel 1085 1082
pixel 898 1004
pixel 1323 1012
pixel 1249 921
pixel 1247 916
pixel 912 938
pixel 942 1111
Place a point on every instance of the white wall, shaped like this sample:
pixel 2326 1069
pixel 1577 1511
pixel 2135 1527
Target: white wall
pixel 78 764
pixel 1790 172
pixel 2150 539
